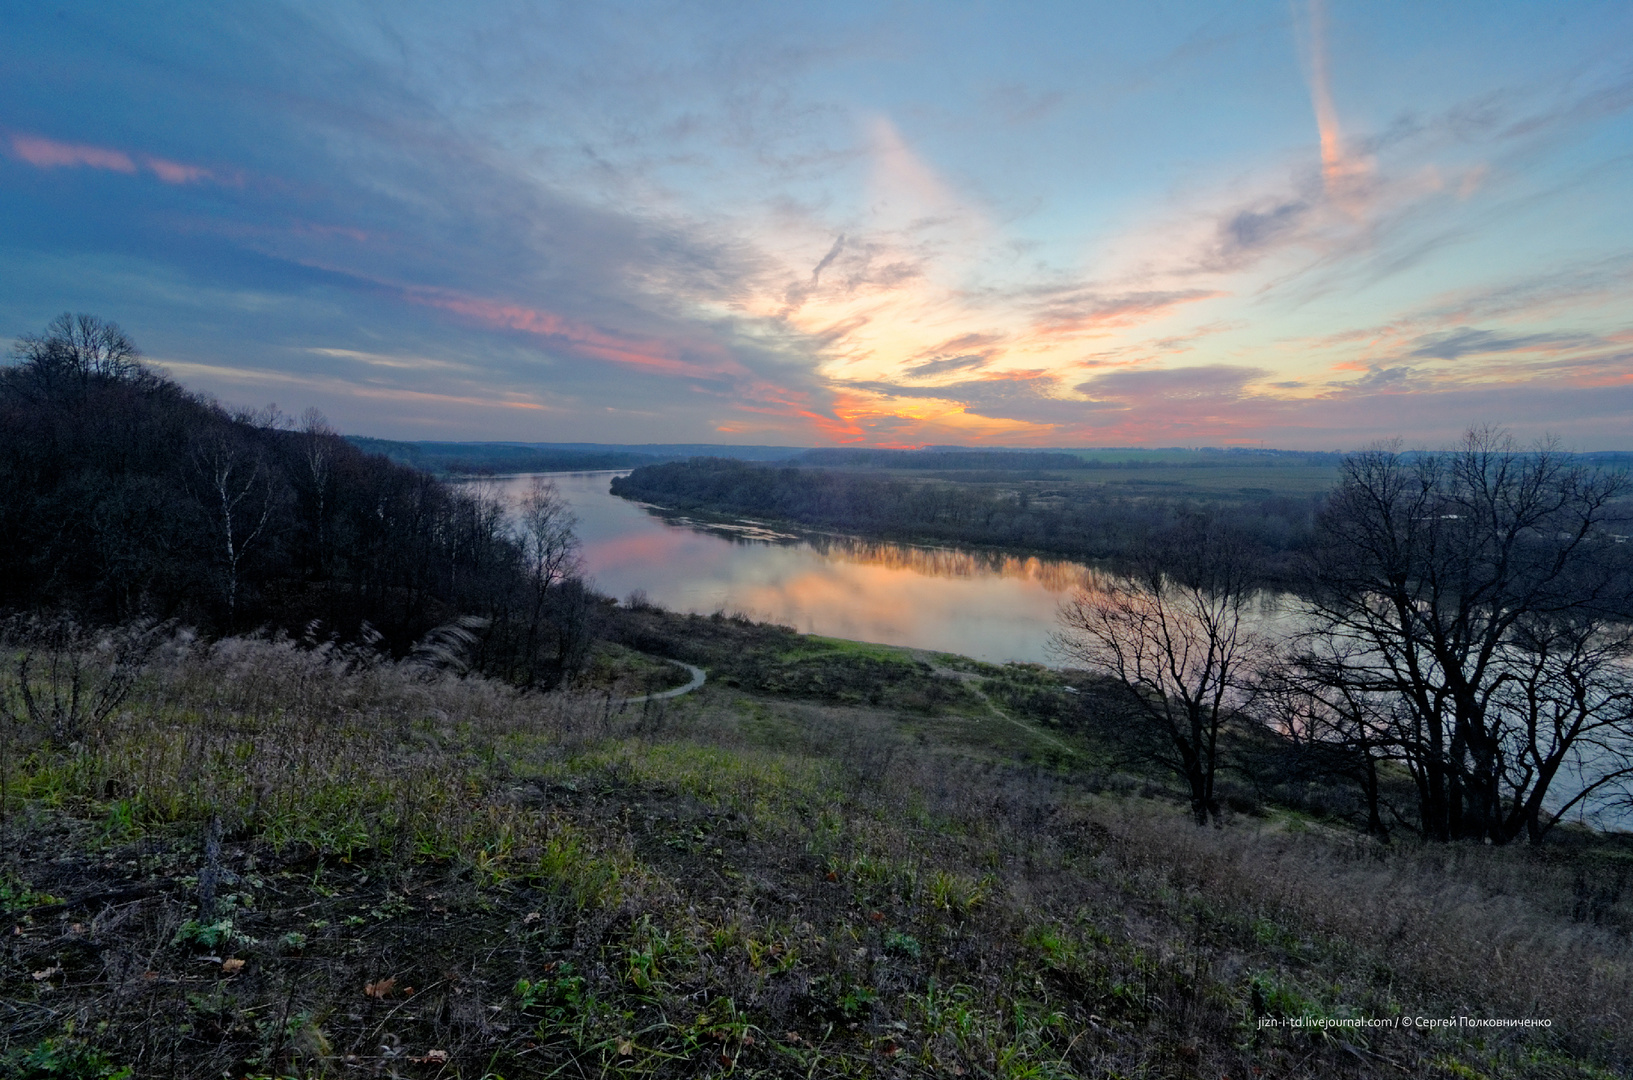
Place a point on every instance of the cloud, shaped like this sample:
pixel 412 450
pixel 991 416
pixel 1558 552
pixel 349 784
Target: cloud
pixel 1214 383
pixel 1250 232
pixel 45 153
pixel 798 291
pixel 1025 396
pixel 405 363
pixel 1344 174
pixel 570 335
pixel 174 172
pixel 749 222
pixel 1080 310
pixel 1570 285
pixel 906 189
pixel 1379 377
pixel 222 373
pixel 833 253
pixel 1467 341
pixel 49 154
pixel 925 369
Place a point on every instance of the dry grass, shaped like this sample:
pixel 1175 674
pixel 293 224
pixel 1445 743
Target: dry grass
pixel 723 883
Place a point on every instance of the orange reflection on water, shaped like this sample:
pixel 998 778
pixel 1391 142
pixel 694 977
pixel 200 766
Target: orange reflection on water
pixel 1054 575
pixel 987 605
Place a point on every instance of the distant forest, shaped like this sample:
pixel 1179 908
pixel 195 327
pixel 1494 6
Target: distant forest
pixel 1065 519
pixel 497 459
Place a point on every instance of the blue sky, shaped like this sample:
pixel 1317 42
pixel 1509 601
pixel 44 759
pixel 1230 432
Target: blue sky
pixel 1307 225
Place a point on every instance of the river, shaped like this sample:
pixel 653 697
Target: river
pixel 990 606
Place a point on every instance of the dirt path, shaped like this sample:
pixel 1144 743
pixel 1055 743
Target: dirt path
pixel 973 681
pixel 698 678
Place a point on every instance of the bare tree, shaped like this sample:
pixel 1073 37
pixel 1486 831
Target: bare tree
pixel 236 488
pixel 1335 727
pixel 1480 592
pixel 1178 637
pixel 549 553
pixel 1563 714
pixel 78 347
pixel 317 467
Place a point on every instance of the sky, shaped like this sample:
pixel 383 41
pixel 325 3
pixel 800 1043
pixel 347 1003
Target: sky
pixel 1312 225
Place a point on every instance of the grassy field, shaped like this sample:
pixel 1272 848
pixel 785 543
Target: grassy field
pixel 834 860
pixel 1221 482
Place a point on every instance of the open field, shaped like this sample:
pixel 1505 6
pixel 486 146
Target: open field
pixel 277 862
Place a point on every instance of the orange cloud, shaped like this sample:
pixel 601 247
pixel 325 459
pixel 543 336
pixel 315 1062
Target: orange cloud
pixel 1343 174
pixel 770 400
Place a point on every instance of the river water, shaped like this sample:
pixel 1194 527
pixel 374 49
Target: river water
pixel 989 606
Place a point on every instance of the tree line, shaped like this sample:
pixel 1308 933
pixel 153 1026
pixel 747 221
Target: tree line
pixel 123 496
pixel 962 459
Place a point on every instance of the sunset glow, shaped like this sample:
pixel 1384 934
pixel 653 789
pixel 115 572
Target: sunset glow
pixel 1313 225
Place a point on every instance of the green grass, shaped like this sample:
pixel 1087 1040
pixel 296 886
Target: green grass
pixel 806 645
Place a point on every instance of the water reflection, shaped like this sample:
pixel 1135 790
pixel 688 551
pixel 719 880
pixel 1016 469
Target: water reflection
pixel 987 605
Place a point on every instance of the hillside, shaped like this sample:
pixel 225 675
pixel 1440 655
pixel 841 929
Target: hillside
pixel 856 861
pixel 124 498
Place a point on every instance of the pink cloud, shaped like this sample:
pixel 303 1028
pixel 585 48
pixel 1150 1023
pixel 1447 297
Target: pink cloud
pixel 50 154
pixel 172 172
pixel 576 337
pixel 45 153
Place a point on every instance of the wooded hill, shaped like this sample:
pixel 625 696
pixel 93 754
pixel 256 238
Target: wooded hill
pixel 125 496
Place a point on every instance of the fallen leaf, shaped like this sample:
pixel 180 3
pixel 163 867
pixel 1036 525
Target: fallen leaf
pixel 792 1036
pixel 530 917
pixel 232 966
pixel 748 1040
pixel 626 1048
pixel 832 876
pixel 50 972
pixel 381 989
pixel 431 1057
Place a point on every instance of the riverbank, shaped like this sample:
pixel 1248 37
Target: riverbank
pixel 832 859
